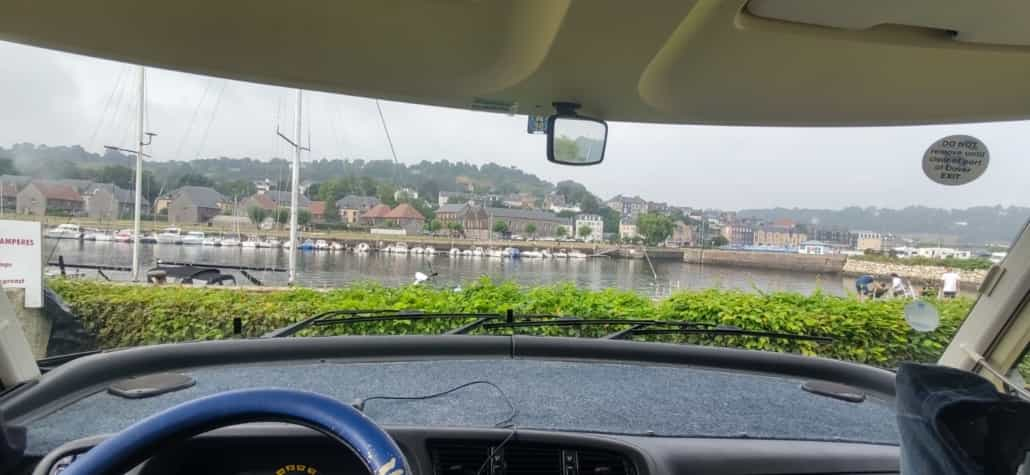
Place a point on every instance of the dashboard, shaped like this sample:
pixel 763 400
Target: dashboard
pixel 281 449
pixel 630 408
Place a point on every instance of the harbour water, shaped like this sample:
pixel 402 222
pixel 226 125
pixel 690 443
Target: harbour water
pixel 326 269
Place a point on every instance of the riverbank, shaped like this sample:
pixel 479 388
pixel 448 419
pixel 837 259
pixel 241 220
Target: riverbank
pixel 870 332
pixel 969 279
pixel 352 238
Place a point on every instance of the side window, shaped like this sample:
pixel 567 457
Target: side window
pixel 1021 372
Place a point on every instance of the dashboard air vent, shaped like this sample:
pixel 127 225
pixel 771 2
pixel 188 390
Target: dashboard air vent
pixel 603 463
pixel 465 458
pixel 458 459
pixel 532 460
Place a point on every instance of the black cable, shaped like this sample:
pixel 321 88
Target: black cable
pixel 495 450
pixel 506 422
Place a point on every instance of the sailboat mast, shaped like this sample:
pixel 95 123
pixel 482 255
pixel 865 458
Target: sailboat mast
pixel 295 192
pixel 139 178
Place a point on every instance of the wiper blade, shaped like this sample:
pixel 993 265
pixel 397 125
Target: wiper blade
pixel 720 330
pixel 348 317
pixel 494 321
pixel 654 327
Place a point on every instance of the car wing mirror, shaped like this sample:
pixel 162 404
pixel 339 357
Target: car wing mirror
pixel 575 140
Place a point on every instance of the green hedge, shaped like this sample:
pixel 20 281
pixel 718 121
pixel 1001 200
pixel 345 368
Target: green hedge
pixel 871 332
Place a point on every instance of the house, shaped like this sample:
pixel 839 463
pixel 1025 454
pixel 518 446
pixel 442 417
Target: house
pixel 263 186
pixel 866 241
pixel 317 209
pixel 815 248
pixel 739 234
pixel 375 215
pixel 453 197
pixel 519 200
pixel 557 203
pixel 628 207
pixel 161 203
pixel 8 196
pixel 304 185
pixel 941 253
pixel 351 207
pixel 478 220
pixel 260 200
pixel 108 201
pixel 779 235
pixel 554 200
pixel 405 193
pixel 275 199
pixel 406 217
pixel 832 235
pixel 448 213
pixel 658 207
pixel 49 198
pixel 628 230
pixel 195 204
pixel 682 235
pixel 594 223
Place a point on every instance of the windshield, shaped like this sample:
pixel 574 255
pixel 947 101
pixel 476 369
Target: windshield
pixel 818 232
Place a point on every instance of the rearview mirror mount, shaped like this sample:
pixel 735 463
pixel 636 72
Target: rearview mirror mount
pixel 573 139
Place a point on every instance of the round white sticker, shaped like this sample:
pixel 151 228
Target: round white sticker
pixel 956 160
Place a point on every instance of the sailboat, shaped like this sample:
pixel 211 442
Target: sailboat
pixel 295 187
pixel 144 138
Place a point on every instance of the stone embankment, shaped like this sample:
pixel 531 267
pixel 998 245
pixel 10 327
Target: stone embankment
pixel 921 274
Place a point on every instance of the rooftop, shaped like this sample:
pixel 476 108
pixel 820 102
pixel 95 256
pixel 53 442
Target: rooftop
pixel 356 202
pixel 57 191
pixel 200 196
pixel 377 211
pixel 404 211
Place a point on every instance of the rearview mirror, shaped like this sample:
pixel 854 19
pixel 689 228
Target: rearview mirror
pixel 575 140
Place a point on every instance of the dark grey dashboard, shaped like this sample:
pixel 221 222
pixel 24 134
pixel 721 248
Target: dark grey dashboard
pixel 267 448
pixel 663 408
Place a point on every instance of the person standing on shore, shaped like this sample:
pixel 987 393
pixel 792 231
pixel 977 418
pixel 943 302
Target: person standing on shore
pixel 898 287
pixel 949 284
pixel 862 284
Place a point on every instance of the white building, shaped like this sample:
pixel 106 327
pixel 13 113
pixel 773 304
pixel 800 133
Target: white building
pixel 408 193
pixel 263 186
pixel 815 248
pixel 942 253
pixel 594 223
pixel 628 231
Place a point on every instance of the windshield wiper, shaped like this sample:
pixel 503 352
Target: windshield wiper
pixel 656 327
pixel 349 317
pixel 494 321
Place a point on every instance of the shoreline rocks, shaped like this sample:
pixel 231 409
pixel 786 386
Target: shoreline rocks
pixel 921 274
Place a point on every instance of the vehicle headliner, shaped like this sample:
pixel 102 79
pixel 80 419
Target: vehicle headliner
pixel 780 62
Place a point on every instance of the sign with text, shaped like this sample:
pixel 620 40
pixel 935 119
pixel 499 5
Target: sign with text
pixel 956 160
pixel 21 259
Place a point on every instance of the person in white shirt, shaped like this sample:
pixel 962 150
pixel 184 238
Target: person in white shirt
pixel 898 287
pixel 949 281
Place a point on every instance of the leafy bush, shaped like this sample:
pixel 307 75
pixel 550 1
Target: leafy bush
pixel 871 332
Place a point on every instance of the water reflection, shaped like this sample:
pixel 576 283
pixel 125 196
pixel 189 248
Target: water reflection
pixel 323 269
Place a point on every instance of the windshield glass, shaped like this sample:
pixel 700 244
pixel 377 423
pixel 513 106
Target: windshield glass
pixel 818 232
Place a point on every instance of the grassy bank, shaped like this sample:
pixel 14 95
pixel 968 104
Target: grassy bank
pixel 867 332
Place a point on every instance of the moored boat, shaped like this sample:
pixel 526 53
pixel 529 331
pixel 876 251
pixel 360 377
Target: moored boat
pixel 170 236
pixel 65 231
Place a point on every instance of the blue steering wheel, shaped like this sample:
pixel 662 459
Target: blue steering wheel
pixel 340 421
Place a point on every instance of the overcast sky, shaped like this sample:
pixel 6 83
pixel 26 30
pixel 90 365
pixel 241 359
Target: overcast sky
pixel 62 99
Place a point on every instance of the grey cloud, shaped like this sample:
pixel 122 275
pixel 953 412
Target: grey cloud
pixel 57 98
